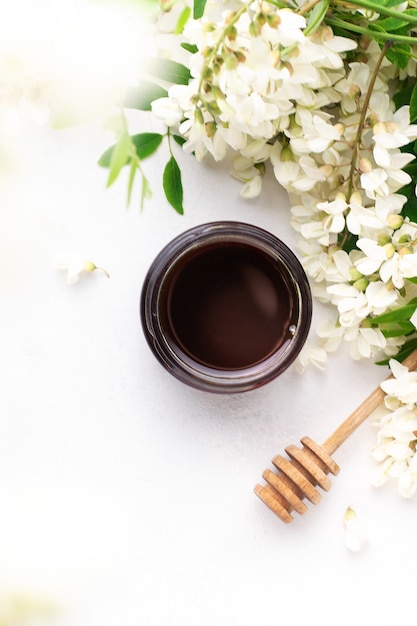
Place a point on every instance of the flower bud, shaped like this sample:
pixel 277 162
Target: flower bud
pixel 405 250
pixel 206 51
pixel 166 5
pixel 365 165
pixel 255 28
pixel 383 239
pixel 273 20
pixel 389 250
pixel 199 117
pixel 241 57
pixel 213 108
pixel 361 284
pixel 231 62
pixel 217 93
pixel 261 18
pixel 286 154
pixel 372 118
pixel 355 274
pixel 209 27
pixel 207 73
pixel 406 238
pixel 327 33
pixel 231 33
pixel 340 128
pixel 211 128
pixel 395 221
pixel 354 91
pixel 327 170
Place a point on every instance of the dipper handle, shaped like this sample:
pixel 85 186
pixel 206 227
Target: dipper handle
pixel 298 476
pixel 363 411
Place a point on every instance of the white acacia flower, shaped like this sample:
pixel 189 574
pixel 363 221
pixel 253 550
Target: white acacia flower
pixel 374 182
pixel 403 385
pixel 336 209
pixel 360 218
pixel 333 47
pixel 379 297
pixel 395 448
pixel 353 84
pixel 395 132
pixel 364 343
pixel 286 167
pixel 388 205
pixel 413 318
pixel 167 110
pixel 311 355
pixel 355 535
pixel 262 91
pixel 374 256
pixel 75 266
pixel 331 334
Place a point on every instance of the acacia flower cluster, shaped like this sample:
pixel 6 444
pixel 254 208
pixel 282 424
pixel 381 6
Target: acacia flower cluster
pixel 286 86
pixel 396 446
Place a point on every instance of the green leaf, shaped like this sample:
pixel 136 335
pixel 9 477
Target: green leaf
pixel 180 140
pixel 172 185
pixel 190 47
pixel 393 23
pixel 399 55
pixel 198 8
pixel 406 349
pixel 119 158
pixel 144 144
pixel 410 207
pixel 413 104
pixel 169 70
pixel 398 330
pixel 316 16
pixel 389 3
pixel 105 158
pixel 182 20
pixel 142 96
pixel 403 95
pixel 400 314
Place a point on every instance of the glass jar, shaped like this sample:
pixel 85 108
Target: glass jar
pixel 226 307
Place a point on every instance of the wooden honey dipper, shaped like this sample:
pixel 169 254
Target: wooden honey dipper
pixel 307 467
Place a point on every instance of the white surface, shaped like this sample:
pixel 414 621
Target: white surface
pixel 127 497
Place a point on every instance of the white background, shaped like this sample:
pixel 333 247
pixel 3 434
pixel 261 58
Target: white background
pixel 127 497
